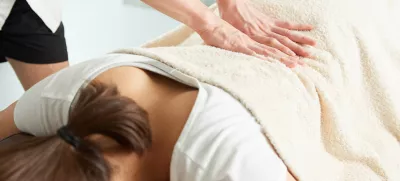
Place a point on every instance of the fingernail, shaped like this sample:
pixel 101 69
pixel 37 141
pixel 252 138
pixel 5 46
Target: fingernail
pixel 292 53
pixel 306 54
pixel 314 43
pixel 291 65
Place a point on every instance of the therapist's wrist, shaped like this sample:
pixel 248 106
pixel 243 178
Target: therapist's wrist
pixel 228 3
pixel 204 21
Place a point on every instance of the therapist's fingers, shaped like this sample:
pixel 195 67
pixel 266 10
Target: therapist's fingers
pixel 295 47
pixel 293 26
pixel 274 53
pixel 296 37
pixel 273 42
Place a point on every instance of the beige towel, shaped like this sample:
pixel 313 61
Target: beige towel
pixel 338 118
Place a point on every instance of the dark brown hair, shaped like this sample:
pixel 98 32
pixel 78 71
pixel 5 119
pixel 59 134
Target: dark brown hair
pixel 99 110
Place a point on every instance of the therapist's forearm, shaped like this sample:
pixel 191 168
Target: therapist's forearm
pixel 228 3
pixel 193 13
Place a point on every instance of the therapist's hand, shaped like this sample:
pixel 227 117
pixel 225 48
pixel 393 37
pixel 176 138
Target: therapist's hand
pixel 225 36
pixel 264 29
pixel 220 33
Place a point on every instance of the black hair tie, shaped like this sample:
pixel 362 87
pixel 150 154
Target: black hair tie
pixel 65 134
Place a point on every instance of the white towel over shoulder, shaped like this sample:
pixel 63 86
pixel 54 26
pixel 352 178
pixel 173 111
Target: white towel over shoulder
pixel 338 117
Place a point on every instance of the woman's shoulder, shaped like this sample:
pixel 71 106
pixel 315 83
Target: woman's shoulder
pixel 222 136
pixel 45 106
pixel 221 120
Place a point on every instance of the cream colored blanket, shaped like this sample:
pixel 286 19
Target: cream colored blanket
pixel 338 118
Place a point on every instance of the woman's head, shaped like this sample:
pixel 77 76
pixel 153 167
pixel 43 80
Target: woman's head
pixel 100 115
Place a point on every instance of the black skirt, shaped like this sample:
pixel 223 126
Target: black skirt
pixel 25 37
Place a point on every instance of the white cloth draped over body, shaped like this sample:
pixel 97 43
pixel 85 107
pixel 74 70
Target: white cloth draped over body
pixel 338 117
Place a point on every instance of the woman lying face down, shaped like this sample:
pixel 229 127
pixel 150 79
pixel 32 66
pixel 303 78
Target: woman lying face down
pixel 131 123
pixel 103 128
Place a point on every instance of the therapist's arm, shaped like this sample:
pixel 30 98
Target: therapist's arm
pixel 7 125
pixel 193 13
pixel 215 31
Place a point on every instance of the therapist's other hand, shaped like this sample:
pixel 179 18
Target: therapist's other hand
pixel 224 35
pixel 264 29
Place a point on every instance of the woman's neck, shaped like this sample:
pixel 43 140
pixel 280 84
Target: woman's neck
pixel 168 104
pixel 169 110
